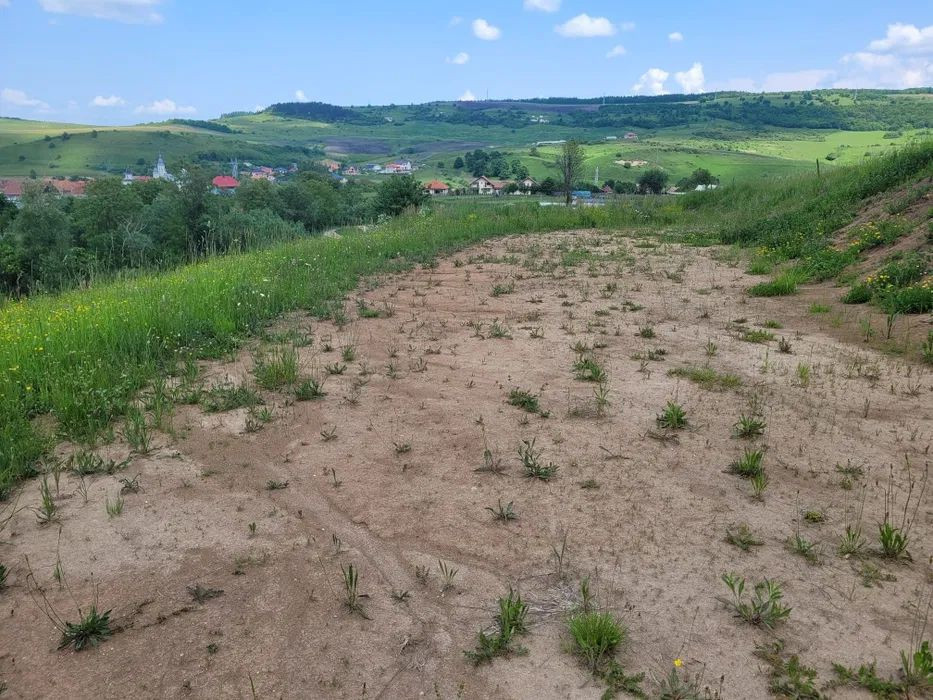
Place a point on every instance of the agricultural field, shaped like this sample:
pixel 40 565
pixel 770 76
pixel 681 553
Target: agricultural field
pixel 542 466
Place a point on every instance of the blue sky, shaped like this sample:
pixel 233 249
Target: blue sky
pixel 127 61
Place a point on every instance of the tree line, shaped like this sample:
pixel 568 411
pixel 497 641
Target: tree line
pixel 51 243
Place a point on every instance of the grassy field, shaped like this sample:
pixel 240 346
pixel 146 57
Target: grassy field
pixel 732 149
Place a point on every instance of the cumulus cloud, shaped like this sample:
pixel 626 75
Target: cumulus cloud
pixel 651 82
pixel 127 11
pixel 165 107
pixel 467 96
pixel 542 5
pixel 301 96
pixel 112 101
pixel 18 98
pixel 485 31
pixel 584 26
pixel 691 81
pixel 906 38
pixel 616 51
pixel 460 59
pixel 675 36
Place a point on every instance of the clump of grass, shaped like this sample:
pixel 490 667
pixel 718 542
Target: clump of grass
pixel 673 417
pixel 783 285
pixel 763 607
pixel 524 400
pixel 277 368
pixel 749 426
pixel 588 369
pixel 595 636
pixel 352 596
pixel 749 464
pixel 90 630
pixel 707 377
pixel 309 389
pixel 114 508
pixel 509 623
pixel 227 396
pixel 646 331
pixel 534 466
pixel 754 335
pixel 759 482
pixel 503 513
pixel 500 289
pixel 742 537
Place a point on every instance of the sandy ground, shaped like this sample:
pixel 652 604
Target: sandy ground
pixel 648 531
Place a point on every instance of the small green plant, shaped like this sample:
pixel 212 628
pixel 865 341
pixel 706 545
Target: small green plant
pixel 673 417
pixel 136 431
pixel 499 289
pixel 894 535
pixel 276 485
pixel 509 622
pixel 503 513
pixel 742 537
pixel 47 510
pixel 710 348
pixel 90 630
pixel 335 368
pixel 819 308
pixel 595 636
pixel 707 377
pixel 348 353
pixel 926 349
pixel 309 389
pixel 763 607
pixel 352 596
pixel 789 677
pixel 759 482
pixel 646 331
pixel 756 336
pixel 784 346
pixel 533 464
pixel 114 508
pixel 277 368
pixel 227 396
pixel 748 426
pixel 588 369
pixel 448 574
pixel 3 575
pixel 749 464
pixel 498 330
pixel 803 375
pixel 524 400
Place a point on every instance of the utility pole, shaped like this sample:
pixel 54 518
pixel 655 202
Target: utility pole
pixel 596 179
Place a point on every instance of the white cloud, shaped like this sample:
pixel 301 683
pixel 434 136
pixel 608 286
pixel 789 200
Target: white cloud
pixel 301 96
pixel 905 37
pixel 651 82
pixel 460 59
pixel 542 5
pixel 691 81
pixel 812 79
pixel 467 96
pixel 584 26
pixel 616 51
pixel 485 31
pixel 18 98
pixel 112 101
pixel 128 11
pixel 165 107
pixel 675 36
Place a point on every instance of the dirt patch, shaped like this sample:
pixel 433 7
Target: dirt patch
pixel 382 474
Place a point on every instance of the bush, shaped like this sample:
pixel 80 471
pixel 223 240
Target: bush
pixel 858 294
pixel 397 194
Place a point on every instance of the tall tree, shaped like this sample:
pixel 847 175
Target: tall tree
pixel 570 165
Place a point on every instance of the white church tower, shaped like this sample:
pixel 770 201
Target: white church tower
pixel 159 172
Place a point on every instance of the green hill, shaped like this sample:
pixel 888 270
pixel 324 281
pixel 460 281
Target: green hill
pixel 734 135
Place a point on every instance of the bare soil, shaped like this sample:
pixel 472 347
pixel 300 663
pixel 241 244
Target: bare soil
pixel 642 512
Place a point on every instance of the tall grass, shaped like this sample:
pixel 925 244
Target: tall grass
pixel 79 357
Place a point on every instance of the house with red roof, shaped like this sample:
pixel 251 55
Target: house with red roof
pixel 485 185
pixel 12 189
pixel 436 187
pixel 225 183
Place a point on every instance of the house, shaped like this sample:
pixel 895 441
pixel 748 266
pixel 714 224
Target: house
pixel 259 175
pixel 606 189
pixel 631 136
pixel 129 178
pixel 67 188
pixel 225 183
pixel 484 185
pixel 331 165
pixel 351 170
pixel 398 167
pixel 436 187
pixel 12 189
pixel 527 184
